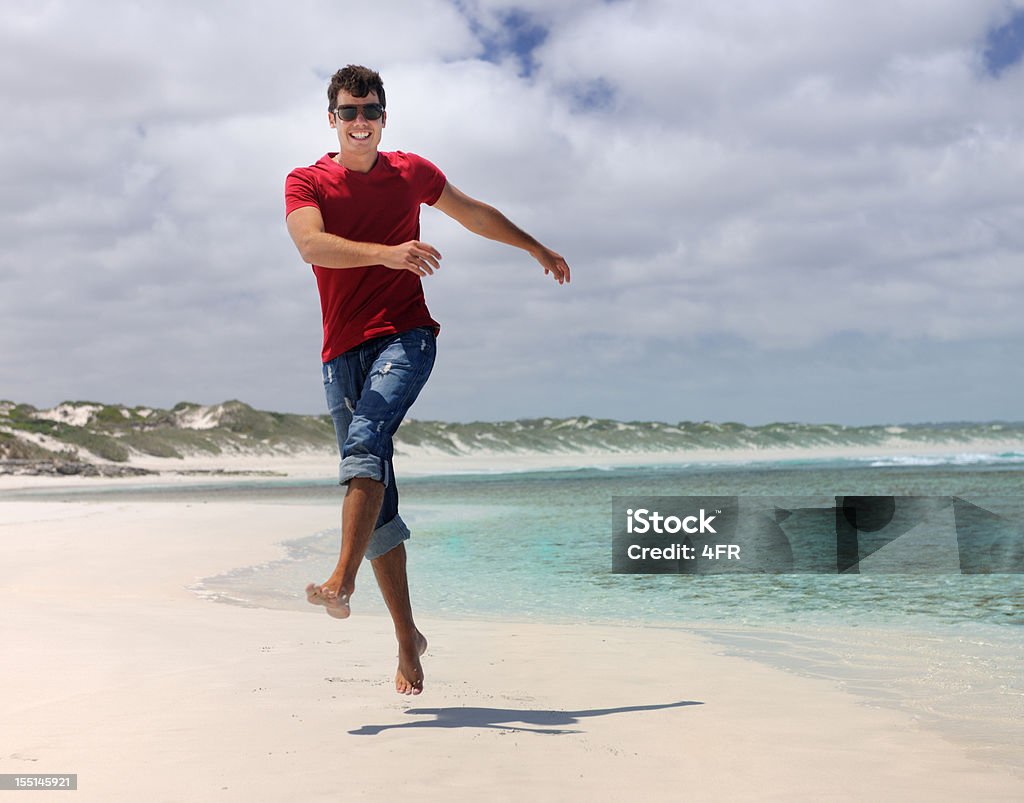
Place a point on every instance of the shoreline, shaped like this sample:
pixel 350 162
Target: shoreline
pixel 417 463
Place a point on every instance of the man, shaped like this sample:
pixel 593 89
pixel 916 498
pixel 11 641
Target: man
pixel 354 216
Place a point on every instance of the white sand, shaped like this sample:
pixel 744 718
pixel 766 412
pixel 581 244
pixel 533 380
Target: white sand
pixel 112 669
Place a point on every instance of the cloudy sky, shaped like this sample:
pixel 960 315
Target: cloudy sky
pixel 802 210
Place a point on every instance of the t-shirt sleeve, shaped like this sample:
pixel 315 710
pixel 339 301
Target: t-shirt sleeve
pixel 299 191
pixel 429 179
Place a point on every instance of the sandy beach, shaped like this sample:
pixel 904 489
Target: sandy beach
pixel 113 669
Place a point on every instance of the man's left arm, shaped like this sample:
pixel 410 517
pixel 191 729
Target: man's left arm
pixel 485 220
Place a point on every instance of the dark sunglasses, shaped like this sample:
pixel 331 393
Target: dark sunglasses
pixel 371 111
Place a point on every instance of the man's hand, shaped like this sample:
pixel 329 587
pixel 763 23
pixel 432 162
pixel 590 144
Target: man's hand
pixel 419 257
pixel 553 263
pixel 306 226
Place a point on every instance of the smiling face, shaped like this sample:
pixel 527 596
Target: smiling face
pixel 357 139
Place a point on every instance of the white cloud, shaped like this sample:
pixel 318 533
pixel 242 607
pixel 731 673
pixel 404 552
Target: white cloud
pixel 745 181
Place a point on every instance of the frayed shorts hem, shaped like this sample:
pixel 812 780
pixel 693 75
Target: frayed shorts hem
pixel 387 537
pixel 363 465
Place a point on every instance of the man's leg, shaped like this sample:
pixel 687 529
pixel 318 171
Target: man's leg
pixel 344 378
pixel 392 579
pixel 371 526
pixel 358 520
pixel 389 569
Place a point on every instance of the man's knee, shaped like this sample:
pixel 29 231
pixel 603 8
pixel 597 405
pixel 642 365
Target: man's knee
pixel 364 466
pixel 386 537
pixel 366 485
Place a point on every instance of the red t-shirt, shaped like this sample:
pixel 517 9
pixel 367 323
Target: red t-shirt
pixel 382 206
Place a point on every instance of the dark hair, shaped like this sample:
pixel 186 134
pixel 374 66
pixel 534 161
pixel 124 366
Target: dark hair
pixel 357 81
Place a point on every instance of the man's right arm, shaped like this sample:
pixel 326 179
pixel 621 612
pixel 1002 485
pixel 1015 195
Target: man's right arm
pixel 317 247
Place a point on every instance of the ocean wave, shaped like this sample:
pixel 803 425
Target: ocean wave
pixel 963 459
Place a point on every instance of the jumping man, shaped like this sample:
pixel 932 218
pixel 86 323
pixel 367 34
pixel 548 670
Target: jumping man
pixel 354 216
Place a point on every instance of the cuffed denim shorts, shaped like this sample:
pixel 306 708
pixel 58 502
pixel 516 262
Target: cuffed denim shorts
pixel 369 390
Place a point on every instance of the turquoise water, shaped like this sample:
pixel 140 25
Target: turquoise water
pixel 538 546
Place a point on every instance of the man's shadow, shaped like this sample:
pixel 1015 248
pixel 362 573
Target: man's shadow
pixel 497 718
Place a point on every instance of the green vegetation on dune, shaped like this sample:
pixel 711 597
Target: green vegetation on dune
pixel 20 416
pixel 114 432
pixel 102 446
pixel 150 443
pixel 169 442
pixel 15 448
pixel 275 429
pixel 112 416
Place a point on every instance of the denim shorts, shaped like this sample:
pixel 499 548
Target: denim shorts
pixel 369 390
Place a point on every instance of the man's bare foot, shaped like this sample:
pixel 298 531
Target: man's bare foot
pixel 409 678
pixel 335 602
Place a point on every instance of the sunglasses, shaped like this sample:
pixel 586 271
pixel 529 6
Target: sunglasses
pixel 371 111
